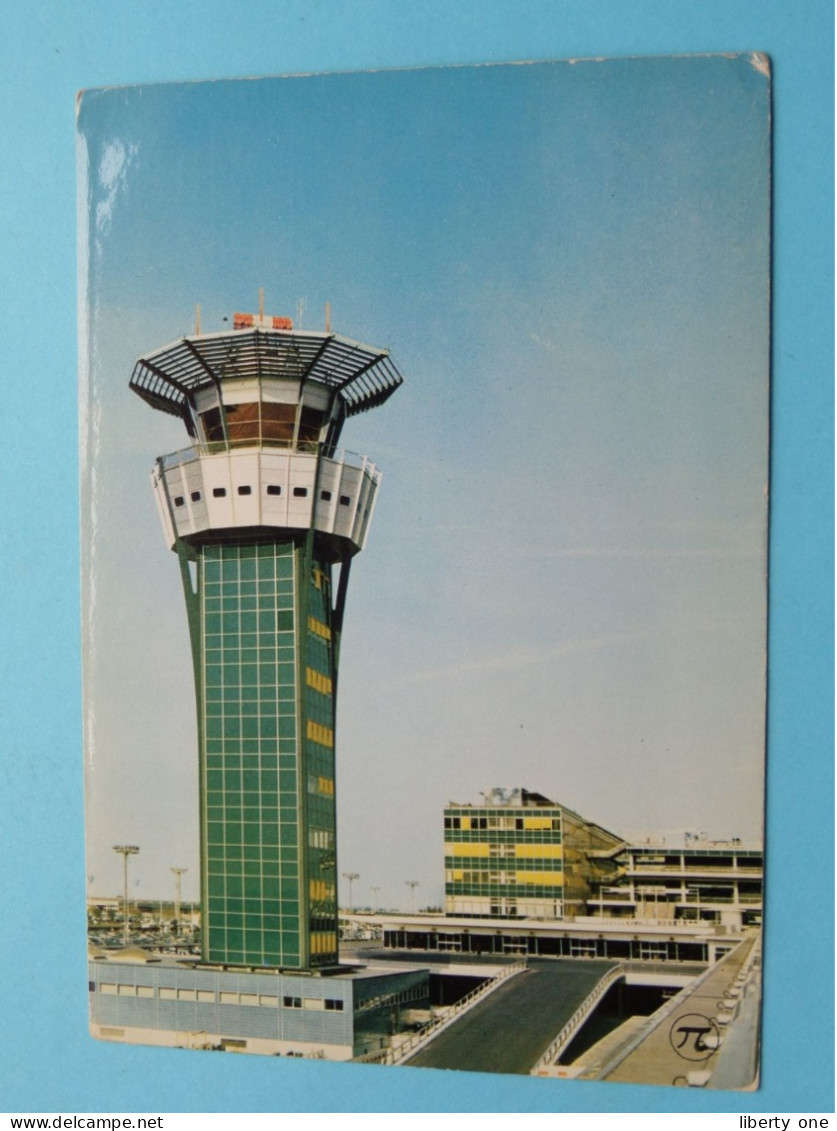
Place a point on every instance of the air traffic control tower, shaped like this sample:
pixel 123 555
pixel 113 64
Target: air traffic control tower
pixel 265 515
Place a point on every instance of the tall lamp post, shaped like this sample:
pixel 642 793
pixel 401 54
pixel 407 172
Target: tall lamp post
pixel 375 900
pixel 178 872
pixel 351 877
pixel 125 850
pixel 412 885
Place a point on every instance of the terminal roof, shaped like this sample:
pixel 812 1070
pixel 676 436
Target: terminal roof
pixel 363 376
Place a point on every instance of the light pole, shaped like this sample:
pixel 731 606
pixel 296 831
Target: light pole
pixel 374 901
pixel 412 885
pixel 178 872
pixel 351 877
pixel 125 850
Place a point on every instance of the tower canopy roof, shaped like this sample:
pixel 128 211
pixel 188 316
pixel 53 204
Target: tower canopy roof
pixel 363 376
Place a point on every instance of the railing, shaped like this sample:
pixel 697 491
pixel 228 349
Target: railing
pixel 211 447
pixel 196 451
pixel 375 1002
pixel 694 870
pixel 665 966
pixel 578 1018
pixel 675 896
pixel 682 925
pixel 704 897
pixel 428 1031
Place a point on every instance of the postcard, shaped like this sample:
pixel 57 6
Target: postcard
pixel 447 388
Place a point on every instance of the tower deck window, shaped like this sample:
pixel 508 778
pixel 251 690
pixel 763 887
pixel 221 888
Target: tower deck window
pixel 345 501
pixel 325 496
pixel 245 489
pixel 300 492
pixel 196 496
pixel 219 492
pixel 179 501
pixel 278 423
pixel 274 489
pixel 266 423
pixel 243 423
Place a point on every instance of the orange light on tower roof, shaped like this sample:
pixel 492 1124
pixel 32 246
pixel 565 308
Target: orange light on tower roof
pixel 261 322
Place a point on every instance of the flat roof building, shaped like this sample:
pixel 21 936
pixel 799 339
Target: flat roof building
pixel 520 855
pixel 136 997
pixel 708 881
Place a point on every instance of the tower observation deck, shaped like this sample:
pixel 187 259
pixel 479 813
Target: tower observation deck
pixel 265 514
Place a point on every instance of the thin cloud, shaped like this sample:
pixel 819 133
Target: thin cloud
pixel 515 659
pixel 636 552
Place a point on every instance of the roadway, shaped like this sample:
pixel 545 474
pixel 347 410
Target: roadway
pixel 510 1028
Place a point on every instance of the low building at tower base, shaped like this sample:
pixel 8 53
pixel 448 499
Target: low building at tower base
pixel 140 998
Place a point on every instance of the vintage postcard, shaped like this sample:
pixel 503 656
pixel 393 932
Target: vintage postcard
pixel 445 389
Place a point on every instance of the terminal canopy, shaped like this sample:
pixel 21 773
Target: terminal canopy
pixel 362 376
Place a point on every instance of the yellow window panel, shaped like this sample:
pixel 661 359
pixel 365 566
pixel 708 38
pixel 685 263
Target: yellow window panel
pixel 319 629
pixel 465 822
pixel 537 822
pixel 318 733
pixel 539 851
pixel 457 874
pixel 466 849
pixel 323 942
pixel 318 681
pixel 544 879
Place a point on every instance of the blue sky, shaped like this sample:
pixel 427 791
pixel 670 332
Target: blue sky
pixel 564 583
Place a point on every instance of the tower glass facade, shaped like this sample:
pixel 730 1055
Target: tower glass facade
pixel 267 755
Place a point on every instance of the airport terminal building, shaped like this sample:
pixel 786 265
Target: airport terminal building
pixel 520 855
